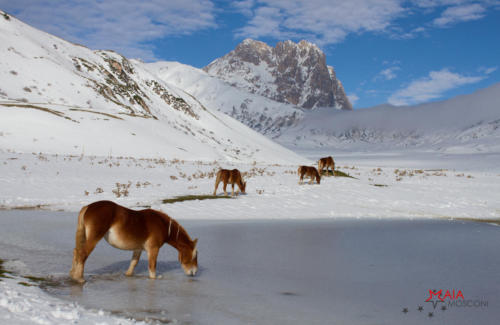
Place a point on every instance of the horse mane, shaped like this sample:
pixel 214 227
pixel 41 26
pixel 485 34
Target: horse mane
pixel 175 232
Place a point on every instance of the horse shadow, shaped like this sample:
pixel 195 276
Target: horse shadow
pixel 142 267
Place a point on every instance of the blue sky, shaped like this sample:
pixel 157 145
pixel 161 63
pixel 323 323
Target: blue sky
pixel 401 52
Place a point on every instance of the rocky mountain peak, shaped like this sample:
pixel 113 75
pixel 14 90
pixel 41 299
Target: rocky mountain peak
pixel 294 73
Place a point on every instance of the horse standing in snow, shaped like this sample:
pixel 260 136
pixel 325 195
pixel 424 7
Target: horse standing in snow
pixel 308 172
pixel 232 177
pixel 325 163
pixel 131 230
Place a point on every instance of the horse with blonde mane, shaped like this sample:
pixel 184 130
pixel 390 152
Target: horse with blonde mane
pixel 131 230
pixel 325 163
pixel 232 177
pixel 309 172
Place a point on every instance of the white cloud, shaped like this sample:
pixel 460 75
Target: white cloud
pixel 461 13
pixel 331 21
pixel 244 6
pixel 321 21
pixel 431 87
pixel 438 3
pixel 353 98
pixel 388 74
pixel 486 70
pixel 123 26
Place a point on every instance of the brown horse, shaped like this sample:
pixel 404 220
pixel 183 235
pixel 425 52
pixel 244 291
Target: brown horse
pixel 325 163
pixel 232 177
pixel 130 230
pixel 309 172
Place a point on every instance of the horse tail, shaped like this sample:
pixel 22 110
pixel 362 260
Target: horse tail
pixel 80 239
pixel 80 236
pixel 217 180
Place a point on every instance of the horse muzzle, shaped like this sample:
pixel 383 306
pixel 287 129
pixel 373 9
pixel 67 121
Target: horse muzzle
pixel 191 272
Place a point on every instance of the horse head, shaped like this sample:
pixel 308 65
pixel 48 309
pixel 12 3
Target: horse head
pixel 188 257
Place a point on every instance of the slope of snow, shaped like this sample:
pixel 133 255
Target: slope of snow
pixel 260 113
pixel 57 97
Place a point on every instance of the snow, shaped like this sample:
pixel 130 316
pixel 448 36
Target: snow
pixel 467 123
pixel 390 186
pixel 260 113
pixel 52 105
pixel 28 305
pixel 64 145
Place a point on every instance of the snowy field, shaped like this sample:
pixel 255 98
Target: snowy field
pixel 392 185
pixel 385 185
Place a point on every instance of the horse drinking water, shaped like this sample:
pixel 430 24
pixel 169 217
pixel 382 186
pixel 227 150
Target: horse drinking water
pixel 130 230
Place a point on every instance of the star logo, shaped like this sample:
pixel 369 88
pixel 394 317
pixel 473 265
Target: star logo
pixel 435 294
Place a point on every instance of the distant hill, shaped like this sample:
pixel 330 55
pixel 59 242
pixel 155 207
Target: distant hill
pixel 464 124
pixel 60 97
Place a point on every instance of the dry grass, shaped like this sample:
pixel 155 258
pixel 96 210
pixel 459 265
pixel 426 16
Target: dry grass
pixel 493 221
pixel 43 109
pixel 194 197
pixel 94 112
pixel 336 173
pixel 122 189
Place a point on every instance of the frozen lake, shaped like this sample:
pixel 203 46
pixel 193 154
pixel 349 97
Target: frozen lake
pixel 341 271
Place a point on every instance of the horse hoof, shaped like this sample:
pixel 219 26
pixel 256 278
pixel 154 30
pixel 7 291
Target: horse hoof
pixel 79 280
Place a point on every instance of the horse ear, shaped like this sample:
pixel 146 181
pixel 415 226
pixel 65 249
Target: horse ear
pixel 195 241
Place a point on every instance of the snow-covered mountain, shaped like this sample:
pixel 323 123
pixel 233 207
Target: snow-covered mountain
pixel 60 97
pixel 264 115
pixel 463 124
pixel 294 73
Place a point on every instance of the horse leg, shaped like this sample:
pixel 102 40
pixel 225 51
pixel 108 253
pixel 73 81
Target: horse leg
pixel 312 179
pixel 225 191
pixel 133 262
pixel 81 257
pixel 152 256
pixel 232 192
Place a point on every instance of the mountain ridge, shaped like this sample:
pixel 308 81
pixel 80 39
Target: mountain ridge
pixel 293 73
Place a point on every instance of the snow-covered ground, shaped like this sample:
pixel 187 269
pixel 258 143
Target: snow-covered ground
pixel 383 187
pixel 27 305
pixel 73 131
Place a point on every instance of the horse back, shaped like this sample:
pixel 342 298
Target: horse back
pixel 326 161
pixel 130 227
pixel 229 176
pixel 235 176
